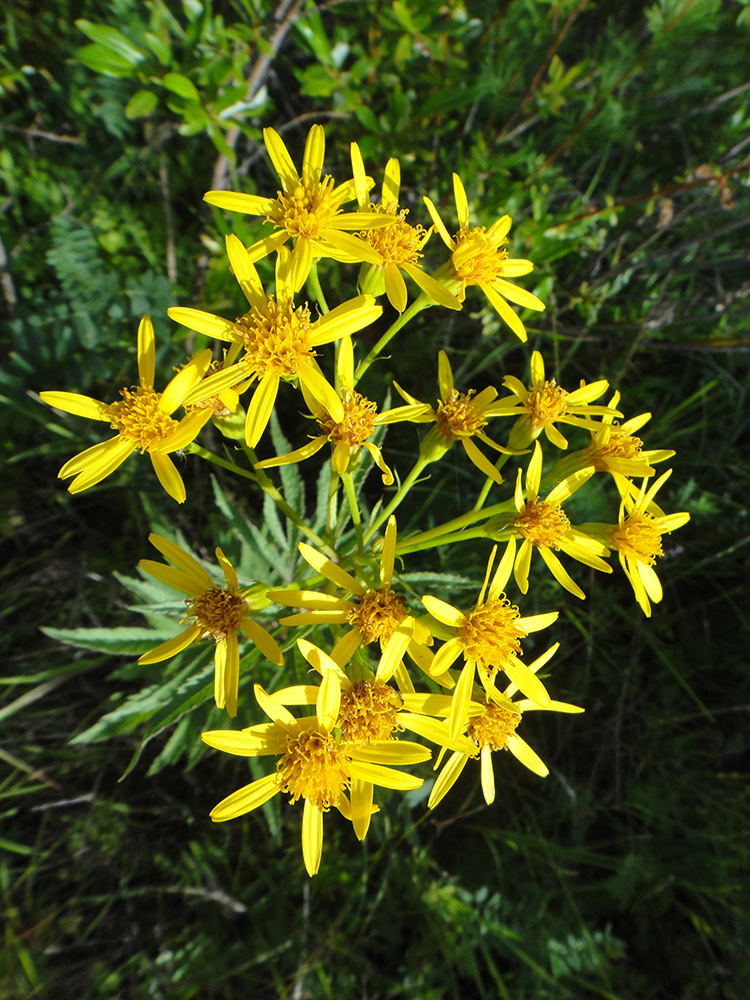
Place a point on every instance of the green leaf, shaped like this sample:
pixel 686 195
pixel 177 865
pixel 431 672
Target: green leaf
pixel 112 40
pixel 123 641
pixel 104 61
pixel 142 103
pixel 181 86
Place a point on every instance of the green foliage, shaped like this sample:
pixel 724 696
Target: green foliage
pixel 615 137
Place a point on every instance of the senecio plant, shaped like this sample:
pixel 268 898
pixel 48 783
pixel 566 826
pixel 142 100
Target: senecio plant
pixel 380 664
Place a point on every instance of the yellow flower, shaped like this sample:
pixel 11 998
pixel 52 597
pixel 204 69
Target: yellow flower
pixel 306 210
pixel 373 613
pixel 142 418
pixel 543 525
pixel 314 764
pixel 214 612
pixel 347 436
pixel 491 726
pixel 479 257
pixel 460 416
pixel 637 538
pixel 371 712
pixel 489 639
pixel 398 245
pixel 615 449
pixel 279 340
pixel 545 404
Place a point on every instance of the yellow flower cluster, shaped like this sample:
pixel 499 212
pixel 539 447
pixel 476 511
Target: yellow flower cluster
pixel 469 661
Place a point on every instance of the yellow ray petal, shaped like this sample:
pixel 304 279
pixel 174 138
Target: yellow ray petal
pixel 259 410
pixel 462 205
pixel 361 792
pixel 386 777
pixel 172 646
pixel 523 752
pixel 244 272
pixel 281 159
pixel 505 311
pixel 322 390
pixel 93 457
pixel 518 295
pixel 312 837
pixel 265 642
pixel 245 799
pixel 439 224
pixel 168 476
pixel 432 287
pixel 525 681
pixel 74 402
pixel 107 461
pixel 459 713
pixel 146 352
pixel 234 201
pixel 330 570
pixel 443 611
pixel 488 776
pixel 447 778
pixel 395 286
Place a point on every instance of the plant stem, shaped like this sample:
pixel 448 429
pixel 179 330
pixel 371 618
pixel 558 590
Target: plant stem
pixel 407 484
pixel 351 497
pixel 450 529
pixel 313 286
pixel 423 302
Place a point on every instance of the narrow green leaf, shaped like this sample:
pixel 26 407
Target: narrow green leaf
pixel 112 40
pixel 181 86
pixel 142 103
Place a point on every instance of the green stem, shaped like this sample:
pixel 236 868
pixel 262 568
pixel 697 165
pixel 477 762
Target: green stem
pixel 272 492
pixel 313 286
pixel 223 463
pixel 407 484
pixel 333 489
pixel 417 543
pixel 351 497
pixel 423 302
pixel 450 528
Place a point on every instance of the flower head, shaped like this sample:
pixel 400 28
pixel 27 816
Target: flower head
pixel 544 404
pixel 398 245
pixel 142 418
pixel 637 538
pixel 315 763
pixel 489 639
pixel 306 210
pixel 491 726
pixel 213 612
pixel 373 612
pixel 542 524
pixel 278 339
pixel 479 257
pixel 460 416
pixel 350 434
pixel 371 710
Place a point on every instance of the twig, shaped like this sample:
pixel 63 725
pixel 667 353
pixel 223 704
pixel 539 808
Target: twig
pixel 286 14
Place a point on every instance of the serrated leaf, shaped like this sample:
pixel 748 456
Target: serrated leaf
pixel 142 103
pixel 124 641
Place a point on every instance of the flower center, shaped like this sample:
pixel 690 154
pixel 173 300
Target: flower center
pixel 546 404
pixel 277 338
pixel 458 416
pixel 307 210
pixel 620 444
pixel 369 711
pixel 378 614
pixel 398 243
pixel 218 612
pixel 492 634
pixel 139 418
pixel 314 767
pixel 477 260
pixel 494 727
pixel 638 538
pixel 358 423
pixel 543 523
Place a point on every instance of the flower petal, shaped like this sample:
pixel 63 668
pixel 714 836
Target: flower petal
pixel 172 646
pixel 312 837
pixel 146 352
pixel 74 402
pixel 245 799
pixel 168 475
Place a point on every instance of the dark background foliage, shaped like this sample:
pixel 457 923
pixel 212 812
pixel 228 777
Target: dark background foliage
pixel 617 138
